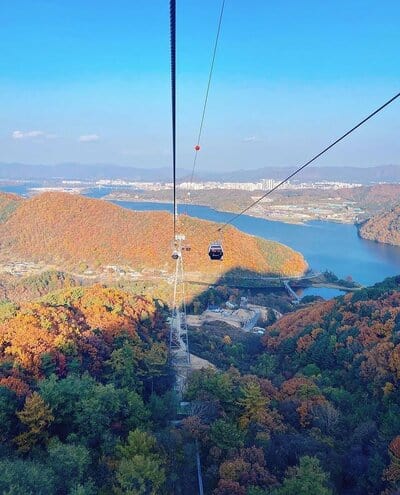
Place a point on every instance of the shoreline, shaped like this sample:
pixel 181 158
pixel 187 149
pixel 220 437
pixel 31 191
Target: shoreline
pixel 270 219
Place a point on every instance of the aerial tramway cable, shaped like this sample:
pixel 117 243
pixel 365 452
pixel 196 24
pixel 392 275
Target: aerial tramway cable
pixel 172 17
pixel 197 146
pixel 215 250
pixel 375 112
pixel 178 341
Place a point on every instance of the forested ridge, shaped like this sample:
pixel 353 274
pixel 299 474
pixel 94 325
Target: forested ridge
pixel 84 381
pixel 311 408
pixel 383 227
pixel 18 289
pixel 71 231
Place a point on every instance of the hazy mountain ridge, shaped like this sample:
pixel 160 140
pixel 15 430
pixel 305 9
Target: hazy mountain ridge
pixel 70 171
pixel 384 173
pixel 78 171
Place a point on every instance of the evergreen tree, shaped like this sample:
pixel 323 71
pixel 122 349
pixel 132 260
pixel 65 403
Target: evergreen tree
pixel 307 478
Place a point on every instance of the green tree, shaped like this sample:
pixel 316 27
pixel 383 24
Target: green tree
pixel 134 413
pixel 154 362
pixel 163 407
pixel 256 490
pixel 104 407
pixel 254 404
pixel 226 435
pixel 64 397
pixel 265 366
pixel 217 384
pixel 122 366
pixel 307 478
pixel 87 488
pixel 70 464
pixel 8 405
pixel 140 467
pixel 92 411
pixel 19 477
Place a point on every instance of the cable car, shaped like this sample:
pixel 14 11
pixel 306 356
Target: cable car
pixel 215 251
pixel 197 147
pixel 175 254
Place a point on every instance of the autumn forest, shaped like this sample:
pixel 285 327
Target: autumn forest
pixel 51 227
pixel 88 400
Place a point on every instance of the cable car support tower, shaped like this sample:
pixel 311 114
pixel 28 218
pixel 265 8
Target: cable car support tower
pixel 178 337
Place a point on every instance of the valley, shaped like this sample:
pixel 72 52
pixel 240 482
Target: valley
pixel 199 248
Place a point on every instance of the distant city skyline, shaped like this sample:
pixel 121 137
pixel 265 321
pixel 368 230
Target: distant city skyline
pixel 88 82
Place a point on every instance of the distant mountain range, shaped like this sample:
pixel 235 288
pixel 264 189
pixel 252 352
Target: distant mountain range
pixel 78 171
pixel 70 171
pixel 364 175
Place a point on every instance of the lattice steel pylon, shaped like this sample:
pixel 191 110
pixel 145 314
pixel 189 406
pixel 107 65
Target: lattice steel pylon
pixel 178 337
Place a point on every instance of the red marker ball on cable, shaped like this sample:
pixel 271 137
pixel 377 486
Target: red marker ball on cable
pixel 197 147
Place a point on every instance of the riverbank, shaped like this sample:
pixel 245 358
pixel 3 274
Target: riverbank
pixel 281 212
pixel 288 220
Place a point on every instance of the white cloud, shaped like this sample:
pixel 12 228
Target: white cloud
pixel 251 139
pixel 29 134
pixel 88 138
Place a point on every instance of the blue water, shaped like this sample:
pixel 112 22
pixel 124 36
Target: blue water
pixel 324 292
pixel 325 245
pixel 21 189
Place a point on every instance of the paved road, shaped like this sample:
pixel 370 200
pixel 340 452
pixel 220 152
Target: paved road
pixel 296 298
pixel 251 323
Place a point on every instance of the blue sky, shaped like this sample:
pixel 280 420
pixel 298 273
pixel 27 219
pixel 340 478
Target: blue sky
pixel 88 81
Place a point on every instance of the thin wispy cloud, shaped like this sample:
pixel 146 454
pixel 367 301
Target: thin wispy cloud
pixel 19 135
pixel 251 139
pixel 88 138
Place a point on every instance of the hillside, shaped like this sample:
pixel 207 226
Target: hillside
pixel 82 374
pixel 314 408
pixel 64 325
pixel 74 231
pixel 349 349
pixel 384 227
